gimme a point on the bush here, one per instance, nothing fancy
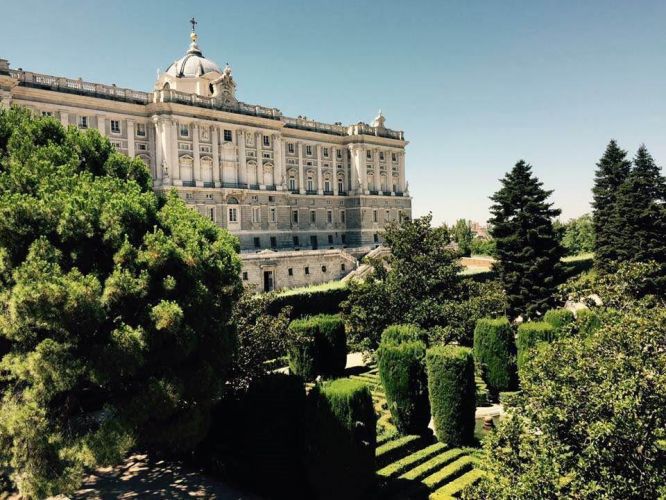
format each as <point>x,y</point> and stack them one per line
<point>452,393</point>
<point>529,335</point>
<point>494,351</point>
<point>308,302</point>
<point>403,375</point>
<point>341,439</point>
<point>587,321</point>
<point>318,347</point>
<point>559,318</point>
<point>396,334</point>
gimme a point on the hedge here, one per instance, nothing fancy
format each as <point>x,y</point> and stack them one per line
<point>452,393</point>
<point>494,351</point>
<point>341,440</point>
<point>587,321</point>
<point>318,346</point>
<point>309,302</point>
<point>529,335</point>
<point>402,372</point>
<point>559,318</point>
<point>403,333</point>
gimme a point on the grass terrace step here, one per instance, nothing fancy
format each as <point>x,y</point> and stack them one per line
<point>399,466</point>
<point>385,438</point>
<point>450,472</point>
<point>397,448</point>
<point>455,487</point>
<point>433,464</point>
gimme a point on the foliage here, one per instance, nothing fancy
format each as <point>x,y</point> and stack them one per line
<point>483,246</point>
<point>452,393</point>
<point>612,171</point>
<point>530,335</point>
<point>528,253</point>
<point>341,439</point>
<point>308,301</point>
<point>317,346</point>
<point>560,319</point>
<point>587,321</point>
<point>116,307</point>
<point>578,235</point>
<point>396,334</point>
<point>402,371</point>
<point>462,234</point>
<point>589,419</point>
<point>494,351</point>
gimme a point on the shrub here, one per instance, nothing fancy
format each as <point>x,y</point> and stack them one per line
<point>452,393</point>
<point>341,439</point>
<point>587,321</point>
<point>319,346</point>
<point>494,351</point>
<point>529,335</point>
<point>403,375</point>
<point>559,318</point>
<point>308,302</point>
<point>396,334</point>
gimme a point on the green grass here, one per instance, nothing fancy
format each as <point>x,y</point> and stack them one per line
<point>455,487</point>
<point>416,458</point>
<point>432,465</point>
<point>387,452</point>
<point>454,469</point>
<point>580,256</point>
<point>330,285</point>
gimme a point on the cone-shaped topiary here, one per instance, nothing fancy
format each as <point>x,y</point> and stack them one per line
<point>529,335</point>
<point>403,375</point>
<point>494,351</point>
<point>452,393</point>
<point>319,346</point>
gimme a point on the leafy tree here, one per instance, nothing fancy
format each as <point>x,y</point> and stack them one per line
<point>463,236</point>
<point>528,253</point>
<point>641,211</point>
<point>483,246</point>
<point>578,235</point>
<point>116,307</point>
<point>612,171</point>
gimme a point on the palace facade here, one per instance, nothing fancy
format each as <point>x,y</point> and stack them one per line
<point>279,184</point>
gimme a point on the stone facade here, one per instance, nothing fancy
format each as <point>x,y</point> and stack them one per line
<point>276,182</point>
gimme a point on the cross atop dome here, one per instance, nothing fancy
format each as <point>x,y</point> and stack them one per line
<point>194,24</point>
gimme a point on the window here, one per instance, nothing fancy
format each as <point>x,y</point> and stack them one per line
<point>256,214</point>
<point>244,275</point>
<point>266,155</point>
<point>290,147</point>
<point>184,131</point>
<point>211,214</point>
<point>343,238</point>
<point>267,140</point>
<point>307,270</point>
<point>387,217</point>
<point>47,113</point>
<point>296,242</point>
<point>142,147</point>
<point>273,242</point>
<point>368,155</point>
<point>308,150</point>
<point>292,184</point>
<point>375,237</point>
<point>394,157</point>
<point>310,183</point>
<point>341,186</point>
<point>374,216</point>
<point>342,267</point>
<point>271,199</point>
<point>327,186</point>
<point>233,215</point>
<point>313,216</point>
<point>189,196</point>
<point>329,216</point>
<point>83,122</point>
<point>294,216</point>
<point>290,271</point>
<point>330,239</point>
<point>255,197</point>
<point>342,216</point>
<point>313,242</point>
<point>326,152</point>
<point>141,130</point>
<point>257,242</point>
<point>227,135</point>
<point>339,154</point>
<point>209,196</point>
<point>323,269</point>
<point>115,126</point>
<point>273,215</point>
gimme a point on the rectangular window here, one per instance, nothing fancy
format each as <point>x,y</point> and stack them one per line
<point>330,239</point>
<point>47,113</point>
<point>257,242</point>
<point>267,140</point>
<point>256,214</point>
<point>142,147</point>
<point>296,242</point>
<point>273,242</point>
<point>394,157</point>
<point>313,216</point>
<point>294,216</point>
<point>376,237</point>
<point>115,126</point>
<point>233,215</point>
<point>273,215</point>
<point>244,275</point>
<point>308,150</point>
<point>387,217</point>
<point>381,155</point>
<point>83,122</point>
<point>342,267</point>
<point>343,238</point>
<point>313,242</point>
<point>339,154</point>
<point>290,147</point>
<point>292,184</point>
<point>374,216</point>
<point>227,135</point>
<point>329,216</point>
<point>211,214</point>
<point>368,155</point>
<point>342,216</point>
<point>141,130</point>
<point>326,152</point>
<point>184,131</point>
<point>290,271</point>
<point>307,270</point>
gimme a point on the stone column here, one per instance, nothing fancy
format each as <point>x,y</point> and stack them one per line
<point>259,141</point>
<point>64,118</point>
<point>157,146</point>
<point>278,164</point>
<point>301,177</point>
<point>378,176</point>
<point>320,176</point>
<point>335,172</point>
<point>101,125</point>
<point>196,155</point>
<point>172,146</point>
<point>401,172</point>
<point>130,138</point>
<point>283,161</point>
<point>242,165</point>
<point>215,141</point>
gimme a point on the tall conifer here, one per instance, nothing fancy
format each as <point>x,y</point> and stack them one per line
<point>612,171</point>
<point>528,253</point>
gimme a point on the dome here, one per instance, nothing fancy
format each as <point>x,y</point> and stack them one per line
<point>192,64</point>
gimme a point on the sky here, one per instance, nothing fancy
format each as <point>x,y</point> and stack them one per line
<point>475,85</point>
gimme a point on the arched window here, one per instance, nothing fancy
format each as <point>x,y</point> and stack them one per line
<point>207,169</point>
<point>185,163</point>
<point>232,211</point>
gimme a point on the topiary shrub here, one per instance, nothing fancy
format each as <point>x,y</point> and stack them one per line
<point>397,334</point>
<point>402,372</point>
<point>452,393</point>
<point>587,321</point>
<point>318,346</point>
<point>494,352</point>
<point>341,439</point>
<point>529,335</point>
<point>559,318</point>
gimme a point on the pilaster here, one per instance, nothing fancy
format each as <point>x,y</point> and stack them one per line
<point>130,139</point>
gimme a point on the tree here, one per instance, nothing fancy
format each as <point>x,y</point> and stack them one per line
<point>612,171</point>
<point>578,235</point>
<point>463,236</point>
<point>483,246</point>
<point>528,253</point>
<point>116,307</point>
<point>641,212</point>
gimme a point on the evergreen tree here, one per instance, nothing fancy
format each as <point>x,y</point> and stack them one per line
<point>612,170</point>
<point>642,213</point>
<point>528,253</point>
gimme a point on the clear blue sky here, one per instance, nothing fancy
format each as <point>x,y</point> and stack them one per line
<point>476,85</point>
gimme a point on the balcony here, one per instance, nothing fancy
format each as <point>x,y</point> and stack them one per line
<point>234,185</point>
<point>294,191</point>
<point>310,191</point>
<point>189,183</point>
<point>328,193</point>
<point>342,193</point>
<point>208,184</point>
<point>253,186</point>
<point>386,193</point>
<point>271,187</point>
<point>374,193</point>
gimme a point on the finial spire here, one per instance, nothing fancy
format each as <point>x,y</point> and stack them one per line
<point>194,24</point>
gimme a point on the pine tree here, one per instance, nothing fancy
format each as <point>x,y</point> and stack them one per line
<point>612,171</point>
<point>641,210</point>
<point>528,252</point>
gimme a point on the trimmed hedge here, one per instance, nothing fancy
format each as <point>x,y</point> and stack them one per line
<point>341,440</point>
<point>309,302</point>
<point>494,351</point>
<point>587,321</point>
<point>402,372</point>
<point>559,318</point>
<point>319,346</point>
<point>397,334</point>
<point>452,393</point>
<point>529,335</point>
